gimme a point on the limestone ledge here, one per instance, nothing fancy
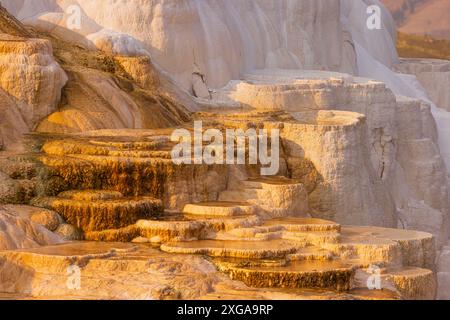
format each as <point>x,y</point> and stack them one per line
<point>32,79</point>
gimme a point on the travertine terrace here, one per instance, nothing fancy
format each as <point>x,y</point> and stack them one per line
<point>87,179</point>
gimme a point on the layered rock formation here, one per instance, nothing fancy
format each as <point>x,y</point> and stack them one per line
<point>399,130</point>
<point>31,83</point>
<point>353,150</point>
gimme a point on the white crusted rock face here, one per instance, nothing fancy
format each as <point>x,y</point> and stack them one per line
<point>347,188</point>
<point>419,187</point>
<point>426,174</point>
<point>417,215</point>
<point>222,38</point>
<point>30,84</point>
<point>421,174</point>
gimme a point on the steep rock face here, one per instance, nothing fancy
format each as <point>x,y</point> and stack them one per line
<point>193,35</point>
<point>30,84</point>
<point>434,75</point>
<point>443,274</point>
<point>419,179</point>
<point>31,76</point>
<point>403,155</point>
<point>342,193</point>
<point>216,32</point>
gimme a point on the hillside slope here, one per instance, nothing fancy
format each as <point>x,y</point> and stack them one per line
<point>422,17</point>
<point>413,46</point>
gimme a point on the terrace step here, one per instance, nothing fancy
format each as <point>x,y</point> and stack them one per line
<point>92,210</point>
<point>174,227</point>
<point>333,274</point>
<point>273,249</point>
<point>220,209</point>
<point>294,224</point>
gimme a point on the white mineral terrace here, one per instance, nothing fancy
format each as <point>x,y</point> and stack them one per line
<point>87,178</point>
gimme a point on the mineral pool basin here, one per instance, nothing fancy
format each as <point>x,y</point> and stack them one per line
<point>328,117</point>
<point>295,221</point>
<point>368,234</point>
<point>226,204</point>
<point>304,224</point>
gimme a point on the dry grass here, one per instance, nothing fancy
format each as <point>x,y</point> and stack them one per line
<point>412,46</point>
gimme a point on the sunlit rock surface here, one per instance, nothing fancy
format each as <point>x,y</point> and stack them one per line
<point>434,75</point>
<point>30,84</point>
<point>354,150</point>
<point>274,268</point>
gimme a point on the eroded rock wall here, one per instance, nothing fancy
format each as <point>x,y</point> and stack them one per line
<point>346,187</point>
<point>190,35</point>
<point>30,84</point>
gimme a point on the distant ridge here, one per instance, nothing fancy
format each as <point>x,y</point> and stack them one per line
<point>422,17</point>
